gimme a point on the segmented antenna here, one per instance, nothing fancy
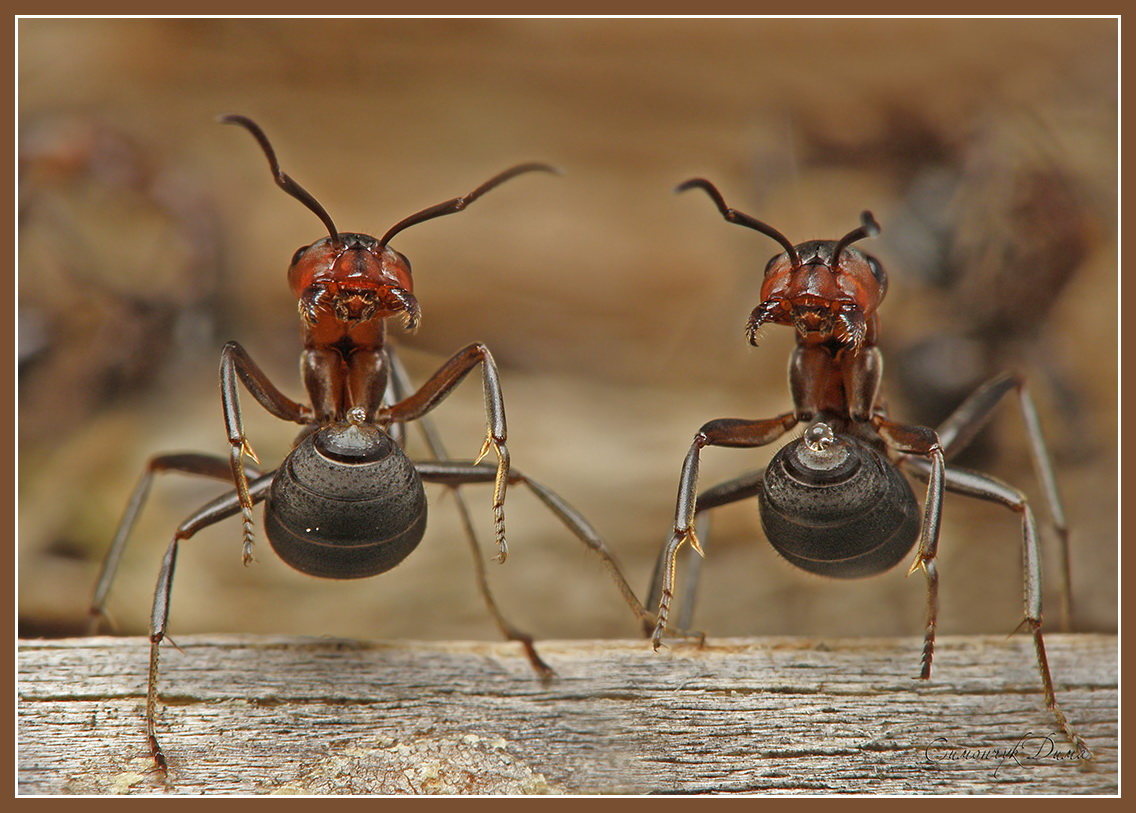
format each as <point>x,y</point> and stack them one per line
<point>453,205</point>
<point>283,180</point>
<point>868,228</point>
<point>740,218</point>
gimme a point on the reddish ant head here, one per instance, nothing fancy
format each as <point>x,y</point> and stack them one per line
<point>826,289</point>
<point>345,278</point>
<point>352,278</point>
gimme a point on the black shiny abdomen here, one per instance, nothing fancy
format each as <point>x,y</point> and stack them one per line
<point>852,516</point>
<point>346,504</point>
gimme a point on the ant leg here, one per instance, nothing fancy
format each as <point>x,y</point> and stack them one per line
<point>722,432</point>
<point>430,394</point>
<point>966,421</point>
<point>454,474</point>
<point>210,514</point>
<point>739,488</point>
<point>919,440</point>
<point>400,386</point>
<point>189,463</point>
<point>508,631</point>
<point>236,363</point>
<point>584,531</point>
<point>985,487</point>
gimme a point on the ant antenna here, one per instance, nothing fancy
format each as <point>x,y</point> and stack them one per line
<point>740,218</point>
<point>453,205</point>
<point>868,228</point>
<point>283,180</point>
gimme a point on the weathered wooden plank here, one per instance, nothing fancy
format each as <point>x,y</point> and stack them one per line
<point>322,716</point>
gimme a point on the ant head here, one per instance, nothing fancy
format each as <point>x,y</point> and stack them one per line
<point>344,277</point>
<point>355,277</point>
<point>827,290</point>
<point>352,278</point>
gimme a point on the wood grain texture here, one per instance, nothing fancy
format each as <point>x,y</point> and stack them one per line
<point>264,715</point>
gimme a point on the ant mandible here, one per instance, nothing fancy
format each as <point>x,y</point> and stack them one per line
<point>833,502</point>
<point>346,502</point>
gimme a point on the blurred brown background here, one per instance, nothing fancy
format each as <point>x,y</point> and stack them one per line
<point>151,235</point>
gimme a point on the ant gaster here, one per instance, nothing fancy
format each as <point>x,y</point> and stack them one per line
<point>833,501</point>
<point>347,502</point>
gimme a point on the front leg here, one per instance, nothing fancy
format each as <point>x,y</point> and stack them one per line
<point>440,385</point>
<point>237,364</point>
<point>985,487</point>
<point>924,442</point>
<point>733,490</point>
<point>400,386</point>
<point>723,432</point>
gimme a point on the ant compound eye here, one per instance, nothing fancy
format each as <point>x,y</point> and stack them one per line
<point>299,253</point>
<point>877,271</point>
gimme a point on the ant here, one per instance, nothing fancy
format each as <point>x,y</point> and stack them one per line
<point>346,502</point>
<point>834,501</point>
